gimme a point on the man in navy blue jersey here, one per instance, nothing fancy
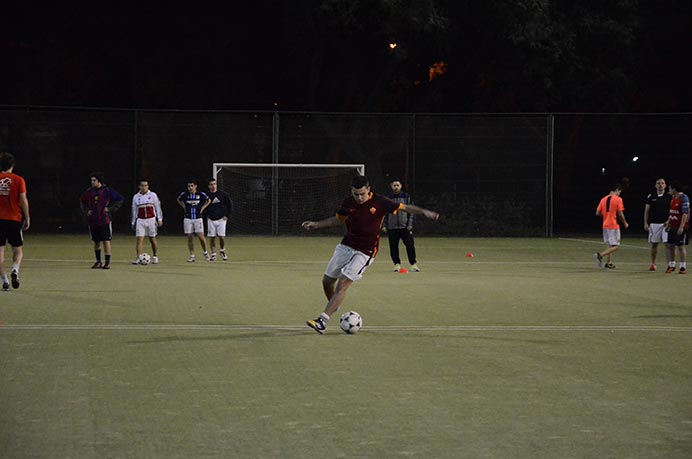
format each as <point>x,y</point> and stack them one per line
<point>194,202</point>
<point>98,203</point>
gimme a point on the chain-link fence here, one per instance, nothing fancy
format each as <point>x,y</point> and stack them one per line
<point>489,175</point>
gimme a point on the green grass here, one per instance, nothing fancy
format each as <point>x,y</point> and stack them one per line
<point>523,351</point>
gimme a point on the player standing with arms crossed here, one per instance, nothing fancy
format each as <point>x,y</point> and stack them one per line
<point>98,203</point>
<point>147,218</point>
<point>194,202</point>
<point>218,213</point>
<point>678,226</point>
<point>14,218</point>
<point>363,213</point>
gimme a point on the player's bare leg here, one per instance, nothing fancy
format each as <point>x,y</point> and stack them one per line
<point>338,296</point>
<point>154,246</point>
<point>138,245</point>
<point>329,285</point>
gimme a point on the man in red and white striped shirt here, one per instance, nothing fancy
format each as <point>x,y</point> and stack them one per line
<point>147,217</point>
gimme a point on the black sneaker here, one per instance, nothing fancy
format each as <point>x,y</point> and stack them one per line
<point>5,287</point>
<point>15,279</point>
<point>96,265</point>
<point>610,266</point>
<point>318,325</point>
<point>106,266</point>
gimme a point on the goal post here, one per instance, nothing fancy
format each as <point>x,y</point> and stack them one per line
<point>276,198</point>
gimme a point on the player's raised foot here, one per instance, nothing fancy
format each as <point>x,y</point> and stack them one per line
<point>106,265</point>
<point>610,266</point>
<point>598,259</point>
<point>97,265</point>
<point>415,267</point>
<point>191,259</point>
<point>317,324</point>
<point>652,267</point>
<point>670,269</point>
<point>155,260</point>
<point>397,267</point>
<point>224,257</point>
<point>15,279</point>
<point>682,271</point>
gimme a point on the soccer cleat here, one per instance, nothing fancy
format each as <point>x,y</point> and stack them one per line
<point>652,267</point>
<point>5,287</point>
<point>212,257</point>
<point>224,257</point>
<point>191,259</point>
<point>610,266</point>
<point>318,325</point>
<point>415,267</point>
<point>106,265</point>
<point>397,268</point>
<point>671,269</point>
<point>206,256</point>
<point>15,279</point>
<point>155,260</point>
<point>598,259</point>
<point>682,271</point>
<point>96,265</point>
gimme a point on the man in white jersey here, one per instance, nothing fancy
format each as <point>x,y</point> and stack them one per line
<point>147,217</point>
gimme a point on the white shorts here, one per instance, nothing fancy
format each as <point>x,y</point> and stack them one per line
<point>611,236</point>
<point>657,233</point>
<point>146,227</point>
<point>349,262</point>
<point>216,227</point>
<point>193,225</point>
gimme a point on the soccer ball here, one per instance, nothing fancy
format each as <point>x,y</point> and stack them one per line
<point>144,259</point>
<point>350,322</point>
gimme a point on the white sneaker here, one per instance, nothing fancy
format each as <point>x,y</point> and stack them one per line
<point>224,257</point>
<point>137,262</point>
<point>191,259</point>
<point>206,256</point>
<point>213,257</point>
<point>155,260</point>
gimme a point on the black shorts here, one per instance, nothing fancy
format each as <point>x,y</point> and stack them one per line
<point>11,231</point>
<point>101,232</point>
<point>678,239</point>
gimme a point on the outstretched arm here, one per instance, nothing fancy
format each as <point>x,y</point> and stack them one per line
<point>326,223</point>
<point>415,210</point>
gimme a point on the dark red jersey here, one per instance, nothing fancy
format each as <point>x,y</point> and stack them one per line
<point>364,221</point>
<point>678,206</point>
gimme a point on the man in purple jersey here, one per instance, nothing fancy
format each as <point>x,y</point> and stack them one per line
<point>98,202</point>
<point>363,213</point>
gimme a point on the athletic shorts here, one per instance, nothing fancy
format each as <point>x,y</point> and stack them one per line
<point>191,225</point>
<point>146,227</point>
<point>101,232</point>
<point>678,239</point>
<point>11,231</point>
<point>347,262</point>
<point>657,233</point>
<point>216,227</point>
<point>611,236</point>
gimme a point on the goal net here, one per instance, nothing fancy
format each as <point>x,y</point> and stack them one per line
<point>276,198</point>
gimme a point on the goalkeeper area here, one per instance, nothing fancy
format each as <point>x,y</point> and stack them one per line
<point>276,198</point>
<point>524,350</point>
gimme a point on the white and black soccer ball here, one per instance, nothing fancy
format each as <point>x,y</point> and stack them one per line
<point>350,322</point>
<point>144,259</point>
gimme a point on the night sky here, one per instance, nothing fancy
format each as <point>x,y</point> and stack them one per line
<point>333,55</point>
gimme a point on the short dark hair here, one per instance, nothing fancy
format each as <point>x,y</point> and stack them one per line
<point>396,179</point>
<point>677,185</point>
<point>615,186</point>
<point>97,175</point>
<point>211,180</point>
<point>359,181</point>
<point>193,181</point>
<point>6,161</point>
<point>144,180</point>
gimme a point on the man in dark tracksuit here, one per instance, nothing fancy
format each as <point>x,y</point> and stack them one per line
<point>399,226</point>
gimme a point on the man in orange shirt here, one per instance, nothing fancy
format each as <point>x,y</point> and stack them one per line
<point>610,208</point>
<point>14,218</point>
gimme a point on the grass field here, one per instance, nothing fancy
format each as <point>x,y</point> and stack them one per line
<point>525,350</point>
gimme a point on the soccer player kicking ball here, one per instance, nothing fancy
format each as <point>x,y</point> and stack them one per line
<point>363,213</point>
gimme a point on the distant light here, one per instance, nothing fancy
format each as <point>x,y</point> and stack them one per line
<point>635,159</point>
<point>603,171</point>
<point>392,45</point>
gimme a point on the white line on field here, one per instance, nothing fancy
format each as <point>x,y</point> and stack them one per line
<point>601,243</point>
<point>456,328</point>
